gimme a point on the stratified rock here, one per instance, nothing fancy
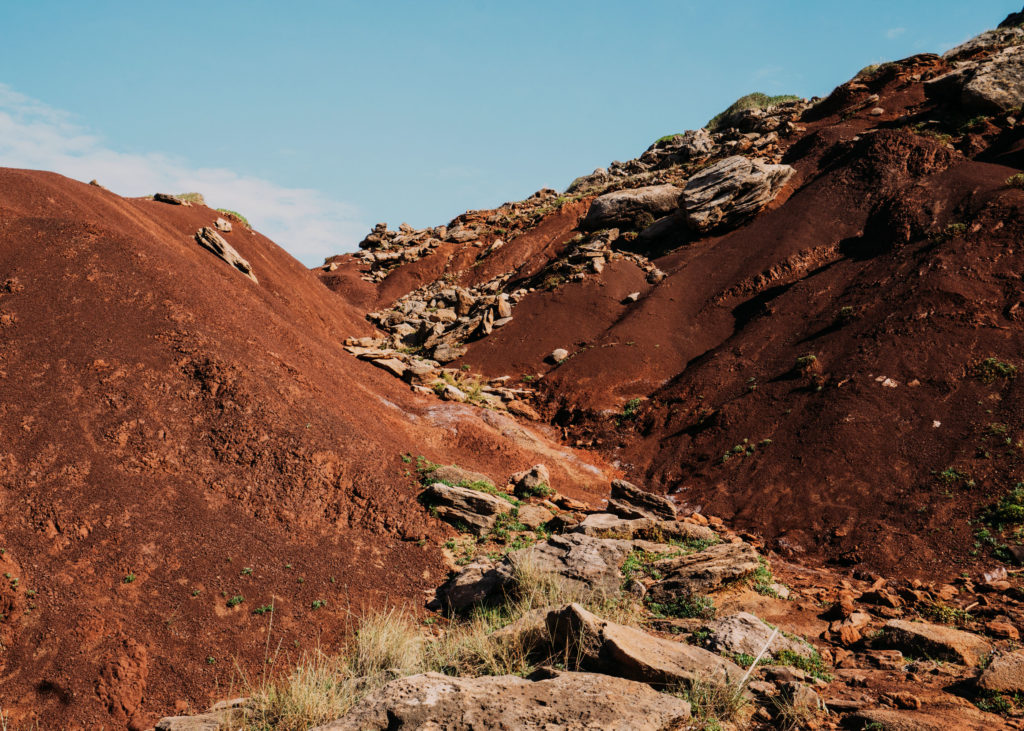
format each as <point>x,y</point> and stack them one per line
<point>646,503</point>
<point>704,571</point>
<point>533,516</point>
<point>607,525</point>
<point>745,634</point>
<point>168,198</point>
<point>935,641</point>
<point>462,507</point>
<point>607,647</point>
<point>565,702</point>
<point>731,191</point>
<point>473,585</point>
<point>223,224</point>
<point>997,85</point>
<point>392,365</point>
<point>622,207</point>
<point>1005,674</point>
<point>210,239</point>
<point>446,352</point>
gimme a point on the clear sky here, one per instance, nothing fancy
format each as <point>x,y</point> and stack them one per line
<point>317,119</point>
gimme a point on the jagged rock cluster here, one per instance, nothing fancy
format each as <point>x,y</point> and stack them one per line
<point>751,131</point>
<point>988,73</point>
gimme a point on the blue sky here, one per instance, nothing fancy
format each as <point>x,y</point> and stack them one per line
<point>317,119</point>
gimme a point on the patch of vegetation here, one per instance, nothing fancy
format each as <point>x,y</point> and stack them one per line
<point>992,369</point>
<point>318,604</point>
<point>1009,511</point>
<point>813,665</point>
<point>264,609</point>
<point>845,315</point>
<point>945,614</point>
<point>762,579</point>
<point>666,138</point>
<point>712,703</point>
<point>631,409</point>
<point>236,600</point>
<point>694,606</point>
<point>973,123</point>
<point>757,100</point>
<point>952,476</point>
<point>236,215</point>
<point>191,198</point>
<point>806,361</point>
<point>744,449</point>
<point>1016,181</point>
<point>129,578</point>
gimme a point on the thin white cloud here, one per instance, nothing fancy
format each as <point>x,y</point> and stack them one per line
<point>893,33</point>
<point>304,221</point>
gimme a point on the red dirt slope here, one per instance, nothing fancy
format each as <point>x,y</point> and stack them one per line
<point>175,435</point>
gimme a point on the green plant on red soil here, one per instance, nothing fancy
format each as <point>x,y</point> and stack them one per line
<point>757,100</point>
<point>1016,181</point>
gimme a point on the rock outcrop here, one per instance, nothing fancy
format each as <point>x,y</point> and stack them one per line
<point>208,238</point>
<point>563,702</point>
<point>729,192</point>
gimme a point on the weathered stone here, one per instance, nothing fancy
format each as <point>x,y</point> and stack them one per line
<point>208,238</point>
<point>1005,674</point>
<point>565,702</point>
<point>704,571</point>
<point>533,516</point>
<point>472,585</point>
<point>936,641</point>
<point>747,634</point>
<point>731,191</point>
<point>392,365</point>
<point>558,355</point>
<point>607,525</point>
<point>534,481</point>
<point>447,352</point>
<point>523,409</point>
<point>656,506</point>
<point>504,308</point>
<point>627,652</point>
<point>890,720</point>
<point>168,198</point>
<point>623,206</point>
<point>997,85</point>
<point>453,393</point>
<point>462,507</point>
<point>224,225</point>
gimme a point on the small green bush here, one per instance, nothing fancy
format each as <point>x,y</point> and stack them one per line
<point>1016,181</point>
<point>694,606</point>
<point>236,215</point>
<point>992,368</point>
<point>757,100</point>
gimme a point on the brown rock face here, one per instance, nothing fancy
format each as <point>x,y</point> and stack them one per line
<point>566,702</point>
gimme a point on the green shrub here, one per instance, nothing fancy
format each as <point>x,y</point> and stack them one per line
<point>992,368</point>
<point>757,100</point>
<point>236,215</point>
<point>1016,180</point>
<point>694,606</point>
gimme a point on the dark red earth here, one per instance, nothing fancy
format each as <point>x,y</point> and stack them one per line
<point>175,435</point>
<point>892,254</point>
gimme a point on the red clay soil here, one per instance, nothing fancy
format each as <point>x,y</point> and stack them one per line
<point>892,256</point>
<point>174,436</point>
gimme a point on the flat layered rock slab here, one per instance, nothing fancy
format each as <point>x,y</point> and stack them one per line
<point>566,702</point>
<point>477,512</point>
<point>704,571</point>
<point>936,641</point>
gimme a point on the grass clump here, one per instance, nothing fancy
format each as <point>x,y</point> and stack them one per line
<point>713,703</point>
<point>1009,511</point>
<point>1016,181</point>
<point>992,369</point>
<point>757,100</point>
<point>694,606</point>
<point>813,665</point>
<point>235,215</point>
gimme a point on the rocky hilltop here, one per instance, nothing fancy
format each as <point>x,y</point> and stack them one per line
<point>728,435</point>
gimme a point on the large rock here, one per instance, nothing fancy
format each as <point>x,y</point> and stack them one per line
<point>475,511</point>
<point>208,238</point>
<point>731,191</point>
<point>591,643</point>
<point>567,701</point>
<point>645,503</point>
<point>534,481</point>
<point>935,641</point>
<point>622,207</point>
<point>1005,674</point>
<point>607,525</point>
<point>745,634</point>
<point>704,571</point>
<point>992,84</point>
<point>583,563</point>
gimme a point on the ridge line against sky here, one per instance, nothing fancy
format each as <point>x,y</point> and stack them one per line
<point>319,119</point>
